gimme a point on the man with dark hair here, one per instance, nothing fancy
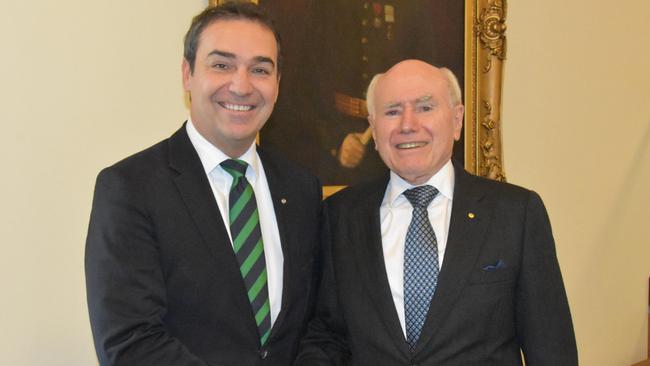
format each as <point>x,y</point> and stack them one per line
<point>430,265</point>
<point>200,249</point>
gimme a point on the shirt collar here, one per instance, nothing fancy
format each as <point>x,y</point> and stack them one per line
<point>443,181</point>
<point>211,157</point>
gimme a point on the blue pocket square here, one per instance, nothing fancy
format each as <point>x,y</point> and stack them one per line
<point>493,267</point>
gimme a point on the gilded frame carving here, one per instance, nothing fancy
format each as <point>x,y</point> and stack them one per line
<point>485,52</point>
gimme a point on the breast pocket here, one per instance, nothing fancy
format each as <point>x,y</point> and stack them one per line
<point>492,271</point>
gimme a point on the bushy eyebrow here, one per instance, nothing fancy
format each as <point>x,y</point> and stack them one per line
<point>393,105</point>
<point>425,98</point>
<point>230,55</point>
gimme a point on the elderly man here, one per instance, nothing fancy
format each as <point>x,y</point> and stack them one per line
<point>200,248</point>
<point>431,265</point>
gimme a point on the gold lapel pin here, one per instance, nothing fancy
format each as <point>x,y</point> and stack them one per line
<point>471,215</point>
<point>283,201</point>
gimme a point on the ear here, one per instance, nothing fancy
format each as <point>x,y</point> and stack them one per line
<point>187,74</point>
<point>371,121</point>
<point>457,117</point>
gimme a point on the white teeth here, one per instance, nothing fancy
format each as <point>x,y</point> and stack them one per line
<point>237,107</point>
<point>410,145</point>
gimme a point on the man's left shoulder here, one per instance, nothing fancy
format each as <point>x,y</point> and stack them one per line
<point>501,192</point>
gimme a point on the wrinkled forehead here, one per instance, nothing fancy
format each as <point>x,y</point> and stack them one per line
<point>394,87</point>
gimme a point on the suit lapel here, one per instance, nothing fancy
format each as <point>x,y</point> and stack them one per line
<point>369,256</point>
<point>466,237</point>
<point>194,189</point>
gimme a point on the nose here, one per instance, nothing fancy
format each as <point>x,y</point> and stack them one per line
<point>240,84</point>
<point>408,122</point>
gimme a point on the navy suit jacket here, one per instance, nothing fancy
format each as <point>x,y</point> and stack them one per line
<point>163,283</point>
<point>499,292</point>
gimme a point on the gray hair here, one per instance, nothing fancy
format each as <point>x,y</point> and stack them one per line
<point>455,96</point>
<point>370,94</point>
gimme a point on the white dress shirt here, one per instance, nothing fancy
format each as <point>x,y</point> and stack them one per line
<point>395,215</point>
<point>221,181</point>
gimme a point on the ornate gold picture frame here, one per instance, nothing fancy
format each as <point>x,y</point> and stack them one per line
<point>485,51</point>
<point>484,55</point>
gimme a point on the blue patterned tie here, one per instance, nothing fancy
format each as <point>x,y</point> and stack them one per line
<point>248,244</point>
<point>420,263</point>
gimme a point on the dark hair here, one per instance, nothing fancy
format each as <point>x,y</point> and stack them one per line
<point>231,10</point>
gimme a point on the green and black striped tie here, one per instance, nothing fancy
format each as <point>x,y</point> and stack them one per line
<point>248,244</point>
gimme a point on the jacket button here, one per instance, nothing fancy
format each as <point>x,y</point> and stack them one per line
<point>264,353</point>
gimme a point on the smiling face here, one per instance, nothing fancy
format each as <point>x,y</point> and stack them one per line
<point>235,83</point>
<point>413,122</point>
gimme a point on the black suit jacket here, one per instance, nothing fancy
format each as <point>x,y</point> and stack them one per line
<point>500,288</point>
<point>163,283</point>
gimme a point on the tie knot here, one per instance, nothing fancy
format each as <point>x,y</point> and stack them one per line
<point>235,167</point>
<point>421,196</point>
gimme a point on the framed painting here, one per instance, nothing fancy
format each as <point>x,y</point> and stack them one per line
<point>332,48</point>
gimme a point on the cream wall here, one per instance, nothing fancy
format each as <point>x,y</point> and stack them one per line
<point>577,130</point>
<point>84,83</point>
